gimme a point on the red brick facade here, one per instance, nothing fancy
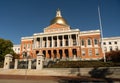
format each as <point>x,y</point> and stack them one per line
<point>61,42</point>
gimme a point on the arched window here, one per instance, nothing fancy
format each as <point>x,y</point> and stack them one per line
<point>95,41</point>
<point>89,41</point>
<point>82,42</point>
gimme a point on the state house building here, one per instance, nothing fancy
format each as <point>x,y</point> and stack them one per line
<point>59,41</point>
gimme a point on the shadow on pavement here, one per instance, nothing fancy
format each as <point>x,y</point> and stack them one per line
<point>101,73</point>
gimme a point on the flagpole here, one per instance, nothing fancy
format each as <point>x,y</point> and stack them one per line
<point>101,30</point>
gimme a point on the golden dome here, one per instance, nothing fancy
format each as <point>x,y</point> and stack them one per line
<point>58,19</point>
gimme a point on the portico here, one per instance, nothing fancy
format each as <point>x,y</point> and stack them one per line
<point>60,46</point>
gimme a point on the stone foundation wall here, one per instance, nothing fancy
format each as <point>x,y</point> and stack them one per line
<point>102,72</point>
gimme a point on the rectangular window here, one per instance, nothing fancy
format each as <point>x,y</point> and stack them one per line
<point>66,42</point>
<point>83,52</point>
<point>55,43</point>
<point>60,42</point>
<point>110,48</point>
<point>45,44</point>
<point>116,48</point>
<point>109,43</point>
<point>105,49</point>
<point>50,44</point>
<point>104,43</point>
<point>18,49</point>
<point>24,46</point>
<point>28,45</point>
<point>90,52</point>
<point>74,42</point>
<point>115,42</point>
<point>96,51</point>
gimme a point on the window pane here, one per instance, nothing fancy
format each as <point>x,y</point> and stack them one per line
<point>116,48</point>
<point>105,49</point>
<point>89,42</point>
<point>90,52</point>
<point>95,41</point>
<point>82,42</point>
<point>96,52</point>
<point>109,43</point>
<point>104,43</point>
<point>83,52</point>
<point>110,48</point>
<point>115,42</point>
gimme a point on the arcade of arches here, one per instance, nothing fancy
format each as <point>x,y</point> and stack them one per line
<point>60,53</point>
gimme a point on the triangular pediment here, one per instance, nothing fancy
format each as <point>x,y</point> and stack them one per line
<point>57,28</point>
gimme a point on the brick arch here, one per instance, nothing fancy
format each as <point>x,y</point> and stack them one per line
<point>49,53</point>
<point>67,53</point>
<point>74,52</point>
<point>60,52</point>
<point>55,53</point>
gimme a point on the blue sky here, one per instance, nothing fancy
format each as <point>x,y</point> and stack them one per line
<point>20,18</point>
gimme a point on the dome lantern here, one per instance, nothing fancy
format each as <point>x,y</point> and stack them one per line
<point>58,19</point>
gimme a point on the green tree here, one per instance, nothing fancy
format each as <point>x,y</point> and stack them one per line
<point>5,48</point>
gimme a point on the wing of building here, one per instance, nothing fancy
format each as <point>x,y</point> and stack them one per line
<point>16,49</point>
<point>59,41</point>
<point>111,44</point>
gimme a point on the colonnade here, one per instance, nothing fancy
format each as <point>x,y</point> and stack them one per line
<point>56,41</point>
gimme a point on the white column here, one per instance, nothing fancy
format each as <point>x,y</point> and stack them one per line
<point>52,41</point>
<point>76,40</point>
<point>69,36</point>
<point>29,64</point>
<point>37,43</point>
<point>57,41</point>
<point>71,41</point>
<point>16,63</point>
<point>63,40</point>
<point>46,41</point>
<point>41,42</point>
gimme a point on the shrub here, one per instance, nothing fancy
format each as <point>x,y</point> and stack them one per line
<point>1,64</point>
<point>113,56</point>
<point>83,64</point>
